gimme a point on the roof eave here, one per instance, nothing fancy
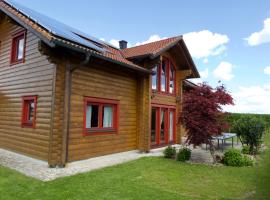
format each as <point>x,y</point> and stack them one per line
<point>98,55</point>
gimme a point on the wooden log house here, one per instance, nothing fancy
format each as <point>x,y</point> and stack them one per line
<point>67,96</point>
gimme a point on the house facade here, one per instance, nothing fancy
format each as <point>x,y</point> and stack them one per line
<point>67,96</point>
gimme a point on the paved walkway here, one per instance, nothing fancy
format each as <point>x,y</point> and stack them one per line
<point>40,170</point>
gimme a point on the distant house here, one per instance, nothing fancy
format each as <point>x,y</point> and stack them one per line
<point>67,96</point>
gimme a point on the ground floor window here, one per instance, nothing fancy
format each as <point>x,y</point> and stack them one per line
<point>163,125</point>
<point>29,106</point>
<point>100,115</point>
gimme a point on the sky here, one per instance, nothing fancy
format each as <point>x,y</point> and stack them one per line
<point>228,40</point>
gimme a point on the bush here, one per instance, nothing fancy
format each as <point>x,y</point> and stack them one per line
<point>183,154</point>
<point>247,161</point>
<point>169,152</point>
<point>250,131</point>
<point>233,157</point>
<point>246,150</point>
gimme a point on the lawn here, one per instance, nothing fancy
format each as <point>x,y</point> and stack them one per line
<point>147,178</point>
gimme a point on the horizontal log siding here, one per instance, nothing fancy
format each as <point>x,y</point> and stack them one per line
<point>34,77</point>
<point>102,82</point>
<point>159,98</point>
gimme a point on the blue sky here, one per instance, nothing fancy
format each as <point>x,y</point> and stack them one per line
<point>214,31</point>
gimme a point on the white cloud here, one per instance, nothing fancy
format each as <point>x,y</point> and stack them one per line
<point>205,61</point>
<point>224,71</point>
<point>152,38</point>
<point>205,43</point>
<point>102,39</point>
<point>114,42</point>
<point>252,99</point>
<point>204,74</point>
<point>261,36</point>
<point>267,70</point>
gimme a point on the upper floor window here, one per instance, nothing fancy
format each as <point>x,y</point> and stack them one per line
<point>155,78</point>
<point>18,48</point>
<point>163,77</point>
<point>172,78</point>
<point>29,111</point>
<point>100,115</point>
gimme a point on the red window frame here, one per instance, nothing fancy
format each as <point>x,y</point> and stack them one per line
<point>101,103</point>
<point>167,109</point>
<point>25,111</point>
<point>15,47</point>
<point>168,67</point>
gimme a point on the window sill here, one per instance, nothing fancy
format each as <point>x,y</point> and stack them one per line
<point>16,62</point>
<point>163,93</point>
<point>27,125</point>
<point>92,132</point>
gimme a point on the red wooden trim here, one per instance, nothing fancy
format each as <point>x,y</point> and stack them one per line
<point>166,125</point>
<point>14,47</point>
<point>101,103</point>
<point>168,66</point>
<point>158,126</point>
<point>167,109</point>
<point>25,108</point>
<point>163,106</point>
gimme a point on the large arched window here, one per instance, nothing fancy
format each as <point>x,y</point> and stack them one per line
<point>163,77</point>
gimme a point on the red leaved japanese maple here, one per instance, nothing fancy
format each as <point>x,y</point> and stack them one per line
<point>202,113</point>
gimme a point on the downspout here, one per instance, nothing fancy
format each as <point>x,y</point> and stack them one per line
<point>67,96</point>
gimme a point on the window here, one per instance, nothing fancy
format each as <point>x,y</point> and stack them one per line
<point>172,78</point>
<point>171,125</point>
<point>163,125</point>
<point>155,78</point>
<point>101,116</point>
<point>29,111</point>
<point>153,125</point>
<point>18,48</point>
<point>163,77</point>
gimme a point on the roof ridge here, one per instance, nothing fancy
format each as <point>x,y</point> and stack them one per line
<point>179,36</point>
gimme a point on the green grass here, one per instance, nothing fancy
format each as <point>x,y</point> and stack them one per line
<point>147,178</point>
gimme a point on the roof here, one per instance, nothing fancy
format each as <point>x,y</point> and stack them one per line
<point>150,49</point>
<point>189,84</point>
<point>154,49</point>
<point>55,33</point>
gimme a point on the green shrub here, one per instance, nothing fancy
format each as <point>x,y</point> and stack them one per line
<point>169,152</point>
<point>233,157</point>
<point>250,131</point>
<point>246,150</point>
<point>183,154</point>
<point>247,160</point>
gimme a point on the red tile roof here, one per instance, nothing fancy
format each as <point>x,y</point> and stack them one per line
<point>111,54</point>
<point>150,48</point>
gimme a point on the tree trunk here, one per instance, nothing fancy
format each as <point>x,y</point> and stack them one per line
<point>212,151</point>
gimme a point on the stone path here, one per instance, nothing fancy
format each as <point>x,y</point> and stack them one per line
<point>40,170</point>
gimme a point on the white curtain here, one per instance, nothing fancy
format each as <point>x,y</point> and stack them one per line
<point>171,126</point>
<point>107,116</point>
<point>88,116</point>
<point>20,49</point>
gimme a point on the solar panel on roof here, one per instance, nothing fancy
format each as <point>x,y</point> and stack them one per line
<point>60,29</point>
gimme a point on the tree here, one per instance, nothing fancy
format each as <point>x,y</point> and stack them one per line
<point>250,131</point>
<point>202,114</point>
